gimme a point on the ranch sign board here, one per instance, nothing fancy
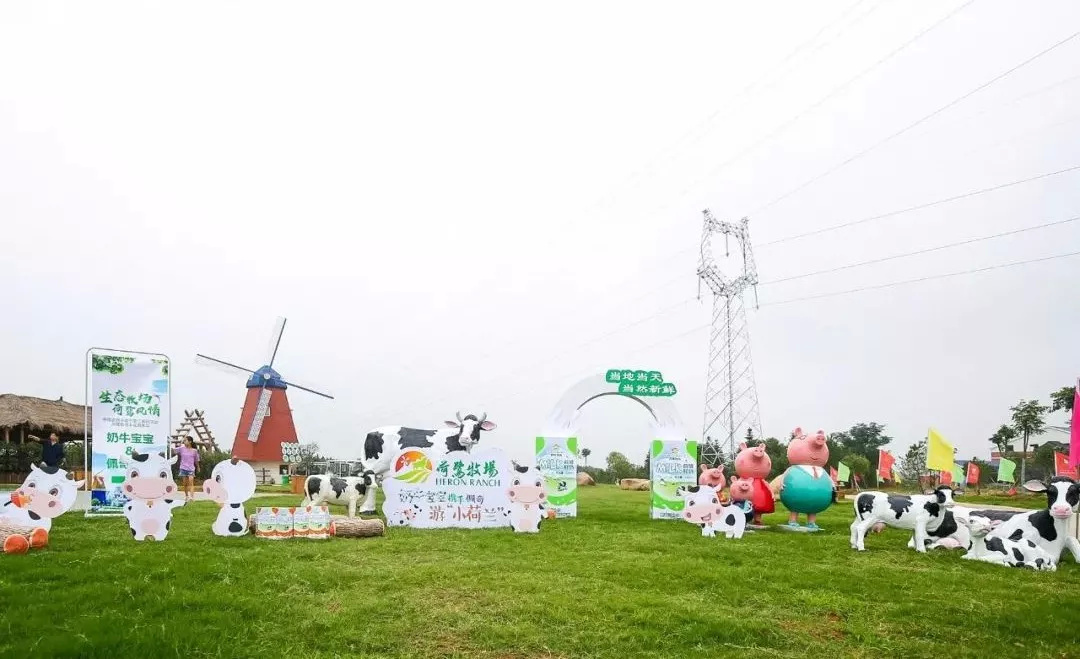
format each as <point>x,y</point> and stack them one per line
<point>426,490</point>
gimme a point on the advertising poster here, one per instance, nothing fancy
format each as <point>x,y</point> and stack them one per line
<point>556,460</point>
<point>672,465</point>
<point>427,490</point>
<point>129,399</point>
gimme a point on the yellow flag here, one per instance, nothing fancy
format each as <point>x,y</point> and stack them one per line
<point>939,453</point>
<point>896,476</point>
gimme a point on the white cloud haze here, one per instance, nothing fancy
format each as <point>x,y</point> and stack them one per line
<point>448,199</point>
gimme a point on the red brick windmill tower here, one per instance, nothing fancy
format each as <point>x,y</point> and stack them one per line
<point>266,421</point>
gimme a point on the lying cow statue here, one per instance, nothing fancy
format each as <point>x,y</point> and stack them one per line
<point>326,489</point>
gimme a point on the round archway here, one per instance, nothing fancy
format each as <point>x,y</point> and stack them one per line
<point>673,460</point>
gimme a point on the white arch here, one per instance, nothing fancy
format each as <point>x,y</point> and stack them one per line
<point>562,422</point>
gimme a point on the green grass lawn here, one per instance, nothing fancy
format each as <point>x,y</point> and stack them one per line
<point>611,583</point>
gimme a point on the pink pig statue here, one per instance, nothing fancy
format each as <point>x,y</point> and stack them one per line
<point>742,495</point>
<point>805,487</point>
<point>713,477</point>
<point>754,465</point>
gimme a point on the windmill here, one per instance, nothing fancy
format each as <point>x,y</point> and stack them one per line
<point>266,420</point>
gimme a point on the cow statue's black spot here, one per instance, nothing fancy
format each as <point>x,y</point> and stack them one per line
<point>899,504</point>
<point>1018,555</point>
<point>996,545</point>
<point>132,532</point>
<point>1017,535</point>
<point>932,507</point>
<point>373,445</point>
<point>34,516</point>
<point>999,515</point>
<point>729,520</point>
<point>235,527</point>
<point>314,484</point>
<point>1039,562</point>
<point>338,485</point>
<point>946,528</point>
<point>864,504</point>
<point>235,505</point>
<point>1044,524</point>
<point>360,488</point>
<point>168,524</point>
<point>415,438</point>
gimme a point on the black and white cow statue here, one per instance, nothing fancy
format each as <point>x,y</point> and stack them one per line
<point>952,533</point>
<point>921,513</point>
<point>1003,551</point>
<point>1046,528</point>
<point>382,444</point>
<point>326,489</point>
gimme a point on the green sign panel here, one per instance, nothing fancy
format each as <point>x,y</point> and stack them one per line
<point>640,383</point>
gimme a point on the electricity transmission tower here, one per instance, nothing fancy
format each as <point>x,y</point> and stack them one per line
<point>731,405</point>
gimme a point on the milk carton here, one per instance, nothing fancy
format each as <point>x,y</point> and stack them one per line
<point>318,523</point>
<point>266,523</point>
<point>300,521</point>
<point>283,524</point>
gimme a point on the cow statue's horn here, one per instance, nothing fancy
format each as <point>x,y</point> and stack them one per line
<point>459,420</point>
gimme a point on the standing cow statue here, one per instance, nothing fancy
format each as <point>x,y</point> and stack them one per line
<point>323,489</point>
<point>754,464</point>
<point>805,487</point>
<point>382,444</point>
<point>231,484</point>
<point>47,493</point>
<point>527,498</point>
<point>149,486</point>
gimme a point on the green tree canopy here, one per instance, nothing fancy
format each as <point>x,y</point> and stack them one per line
<point>619,466</point>
<point>1063,399</point>
<point>863,439</point>
<point>585,453</point>
<point>858,464</point>
<point>1003,437</point>
<point>1028,418</point>
<point>913,463</point>
<point>777,453</point>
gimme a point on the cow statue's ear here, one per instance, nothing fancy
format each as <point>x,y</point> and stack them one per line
<point>1035,486</point>
<point>452,424</point>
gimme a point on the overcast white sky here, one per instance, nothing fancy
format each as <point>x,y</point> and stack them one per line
<point>450,200</point>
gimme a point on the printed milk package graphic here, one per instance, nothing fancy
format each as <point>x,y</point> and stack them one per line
<point>672,464</point>
<point>556,460</point>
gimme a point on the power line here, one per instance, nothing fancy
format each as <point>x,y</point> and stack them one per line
<point>922,251</point>
<point>703,127</point>
<point>916,207</point>
<point>912,125</point>
<point>836,90</point>
<point>921,279</point>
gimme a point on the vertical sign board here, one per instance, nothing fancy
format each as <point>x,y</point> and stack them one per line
<point>556,460</point>
<point>672,464</point>
<point>129,399</point>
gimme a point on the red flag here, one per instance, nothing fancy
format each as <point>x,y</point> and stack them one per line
<point>1074,436</point>
<point>1061,466</point>
<point>972,473</point>
<point>885,463</point>
<point>946,477</point>
<point>833,475</point>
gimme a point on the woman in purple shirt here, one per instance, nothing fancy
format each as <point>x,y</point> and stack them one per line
<point>189,462</point>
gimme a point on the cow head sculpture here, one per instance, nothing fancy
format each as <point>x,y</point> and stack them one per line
<point>469,429</point>
<point>232,481</point>
<point>1062,495</point>
<point>149,476</point>
<point>527,486</point>
<point>47,492</point>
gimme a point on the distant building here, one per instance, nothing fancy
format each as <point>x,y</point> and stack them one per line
<point>23,416</point>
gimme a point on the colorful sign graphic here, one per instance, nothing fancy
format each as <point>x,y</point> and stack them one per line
<point>129,398</point>
<point>640,383</point>
<point>672,466</point>
<point>556,460</point>
<point>451,490</point>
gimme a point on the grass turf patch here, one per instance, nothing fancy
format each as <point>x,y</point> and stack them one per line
<point>611,583</point>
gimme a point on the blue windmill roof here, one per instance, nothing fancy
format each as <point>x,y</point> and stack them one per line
<point>268,377</point>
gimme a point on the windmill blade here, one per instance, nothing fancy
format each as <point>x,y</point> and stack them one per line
<point>219,364</point>
<point>317,393</point>
<point>275,340</point>
<point>261,408</point>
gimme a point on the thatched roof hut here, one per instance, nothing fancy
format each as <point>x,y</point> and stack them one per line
<point>26,415</point>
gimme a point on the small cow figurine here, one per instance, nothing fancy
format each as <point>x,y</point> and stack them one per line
<point>920,513</point>
<point>527,498</point>
<point>1003,551</point>
<point>1048,527</point>
<point>702,507</point>
<point>231,484</point>
<point>47,493</point>
<point>347,491</point>
<point>150,487</point>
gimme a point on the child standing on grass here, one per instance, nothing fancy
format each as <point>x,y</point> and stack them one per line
<point>189,462</point>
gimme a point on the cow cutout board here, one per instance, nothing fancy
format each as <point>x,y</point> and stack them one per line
<point>460,489</point>
<point>230,485</point>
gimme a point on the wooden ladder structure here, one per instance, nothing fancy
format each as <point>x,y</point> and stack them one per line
<point>194,422</point>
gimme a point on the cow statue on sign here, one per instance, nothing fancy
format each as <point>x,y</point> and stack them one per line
<point>382,444</point>
<point>150,487</point>
<point>47,493</point>
<point>527,498</point>
<point>231,484</point>
<point>326,489</point>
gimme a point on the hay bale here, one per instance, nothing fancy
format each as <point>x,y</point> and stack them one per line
<point>584,478</point>
<point>355,527</point>
<point>635,484</point>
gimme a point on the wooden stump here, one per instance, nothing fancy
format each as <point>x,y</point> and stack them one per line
<point>354,527</point>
